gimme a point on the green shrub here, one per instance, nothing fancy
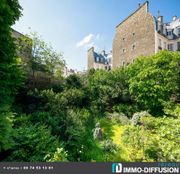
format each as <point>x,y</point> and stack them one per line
<point>58,156</point>
<point>32,143</point>
<point>157,139</point>
<point>127,109</point>
<point>119,118</point>
<point>154,80</point>
<point>6,123</point>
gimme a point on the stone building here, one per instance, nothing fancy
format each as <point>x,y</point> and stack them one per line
<point>99,60</point>
<point>24,47</point>
<point>143,34</point>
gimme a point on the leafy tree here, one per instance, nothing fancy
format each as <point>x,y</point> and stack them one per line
<point>10,72</point>
<point>73,81</point>
<point>44,58</point>
<point>108,88</point>
<point>154,80</point>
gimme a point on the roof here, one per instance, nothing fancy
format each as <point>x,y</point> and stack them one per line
<point>104,59</point>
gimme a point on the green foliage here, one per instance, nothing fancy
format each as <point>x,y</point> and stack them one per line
<point>73,81</point>
<point>154,80</point>
<point>5,130</point>
<point>11,76</point>
<point>156,140</point>
<point>10,73</point>
<point>59,155</point>
<point>64,119</point>
<point>127,109</point>
<point>69,110</point>
<point>172,109</point>
<point>108,88</point>
<point>32,143</point>
<point>136,118</point>
<point>119,118</point>
<point>44,58</point>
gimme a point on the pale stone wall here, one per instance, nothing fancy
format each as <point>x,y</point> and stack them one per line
<point>25,50</point>
<point>135,36</point>
<point>99,65</point>
<point>162,43</point>
<point>92,63</point>
<point>90,56</point>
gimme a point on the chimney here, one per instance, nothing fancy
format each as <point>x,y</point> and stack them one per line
<point>139,5</point>
<point>160,19</point>
<point>103,52</point>
<point>174,18</point>
<point>91,49</point>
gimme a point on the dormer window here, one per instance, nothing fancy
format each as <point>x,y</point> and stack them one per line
<point>97,59</point>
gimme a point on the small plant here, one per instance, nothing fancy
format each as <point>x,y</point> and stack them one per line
<point>136,119</point>
<point>57,156</point>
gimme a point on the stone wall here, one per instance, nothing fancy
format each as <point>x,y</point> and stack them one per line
<point>25,47</point>
<point>134,36</point>
<point>90,57</point>
<point>35,78</point>
<point>99,66</point>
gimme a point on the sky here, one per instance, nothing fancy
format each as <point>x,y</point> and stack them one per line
<point>73,26</point>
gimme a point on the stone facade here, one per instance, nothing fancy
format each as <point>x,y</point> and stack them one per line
<point>134,36</point>
<point>99,60</point>
<point>25,47</point>
<point>167,35</point>
<point>90,56</point>
<point>142,34</point>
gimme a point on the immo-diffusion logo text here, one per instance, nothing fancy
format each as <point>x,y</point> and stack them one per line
<point>116,168</point>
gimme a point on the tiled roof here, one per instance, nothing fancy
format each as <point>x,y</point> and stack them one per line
<point>101,58</point>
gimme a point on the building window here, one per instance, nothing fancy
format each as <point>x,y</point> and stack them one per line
<point>169,33</point>
<point>134,46</point>
<point>133,34</point>
<point>178,46</point>
<point>124,50</point>
<point>160,42</point>
<point>123,38</point>
<point>123,63</point>
<point>165,46</point>
<point>170,47</point>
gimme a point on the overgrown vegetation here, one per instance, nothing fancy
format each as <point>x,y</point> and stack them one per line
<point>137,108</point>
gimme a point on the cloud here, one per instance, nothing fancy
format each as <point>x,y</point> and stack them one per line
<point>85,41</point>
